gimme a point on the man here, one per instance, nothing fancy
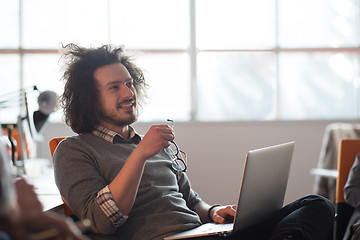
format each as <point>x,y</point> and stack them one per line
<point>126,184</point>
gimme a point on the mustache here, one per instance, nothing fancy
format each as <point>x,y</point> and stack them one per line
<point>127,101</point>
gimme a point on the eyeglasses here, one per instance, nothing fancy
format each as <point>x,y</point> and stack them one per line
<point>178,157</point>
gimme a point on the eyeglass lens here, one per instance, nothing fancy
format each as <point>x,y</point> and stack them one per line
<point>178,157</point>
<point>172,150</point>
<point>179,165</point>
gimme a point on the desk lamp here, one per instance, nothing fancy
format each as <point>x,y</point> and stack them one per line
<point>47,102</point>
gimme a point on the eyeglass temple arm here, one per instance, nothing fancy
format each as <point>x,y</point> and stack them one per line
<point>172,123</point>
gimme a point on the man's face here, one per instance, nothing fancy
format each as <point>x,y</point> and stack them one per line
<point>117,96</point>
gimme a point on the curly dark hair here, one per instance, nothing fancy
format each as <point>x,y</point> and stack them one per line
<point>80,97</point>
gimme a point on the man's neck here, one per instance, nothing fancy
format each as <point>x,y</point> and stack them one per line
<point>124,132</point>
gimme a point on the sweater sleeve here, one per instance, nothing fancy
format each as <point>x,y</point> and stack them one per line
<point>191,197</point>
<point>352,186</point>
<point>82,187</point>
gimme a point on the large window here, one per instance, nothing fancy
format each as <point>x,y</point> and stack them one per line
<point>205,60</point>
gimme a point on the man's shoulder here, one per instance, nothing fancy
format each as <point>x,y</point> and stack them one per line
<point>76,138</point>
<point>79,146</point>
<point>82,140</point>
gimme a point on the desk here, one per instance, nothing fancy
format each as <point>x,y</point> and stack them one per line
<point>46,188</point>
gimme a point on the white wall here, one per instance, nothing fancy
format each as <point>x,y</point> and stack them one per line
<point>216,152</point>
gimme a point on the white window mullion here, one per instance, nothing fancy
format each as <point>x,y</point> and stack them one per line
<point>193,60</point>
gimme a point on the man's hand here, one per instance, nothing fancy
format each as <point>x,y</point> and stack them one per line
<point>56,226</point>
<point>223,214</point>
<point>32,218</point>
<point>157,138</point>
<point>29,205</point>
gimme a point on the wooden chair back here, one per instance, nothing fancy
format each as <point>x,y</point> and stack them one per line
<point>348,150</point>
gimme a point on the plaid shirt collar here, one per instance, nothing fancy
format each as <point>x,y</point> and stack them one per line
<point>113,137</point>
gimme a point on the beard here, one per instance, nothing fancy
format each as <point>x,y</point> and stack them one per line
<point>121,121</point>
<point>114,118</point>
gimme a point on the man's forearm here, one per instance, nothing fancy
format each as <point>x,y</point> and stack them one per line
<point>202,210</point>
<point>125,185</point>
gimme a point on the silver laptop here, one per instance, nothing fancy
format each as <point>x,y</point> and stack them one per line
<point>262,191</point>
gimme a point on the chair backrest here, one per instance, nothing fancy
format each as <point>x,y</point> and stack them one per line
<point>53,143</point>
<point>348,149</point>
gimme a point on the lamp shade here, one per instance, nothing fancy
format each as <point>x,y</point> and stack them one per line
<point>39,119</point>
<point>47,101</point>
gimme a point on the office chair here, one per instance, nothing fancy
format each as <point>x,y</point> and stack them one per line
<point>53,143</point>
<point>348,149</point>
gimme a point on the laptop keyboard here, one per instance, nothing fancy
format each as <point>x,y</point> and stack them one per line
<point>218,228</point>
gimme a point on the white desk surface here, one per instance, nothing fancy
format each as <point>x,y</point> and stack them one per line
<point>46,188</point>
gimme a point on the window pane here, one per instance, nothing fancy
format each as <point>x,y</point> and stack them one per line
<point>49,23</point>
<point>319,85</point>
<point>236,86</point>
<point>9,97</point>
<point>169,87</point>
<point>235,24</point>
<point>319,23</point>
<point>159,24</point>
<point>42,70</point>
<point>9,24</point>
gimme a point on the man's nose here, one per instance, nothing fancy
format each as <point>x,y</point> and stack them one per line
<point>126,92</point>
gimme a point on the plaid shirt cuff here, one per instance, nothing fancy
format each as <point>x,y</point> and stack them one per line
<point>108,206</point>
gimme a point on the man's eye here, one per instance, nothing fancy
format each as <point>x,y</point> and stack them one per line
<point>114,87</point>
<point>130,84</point>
